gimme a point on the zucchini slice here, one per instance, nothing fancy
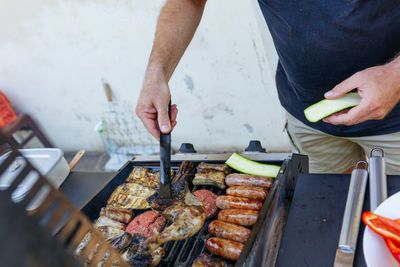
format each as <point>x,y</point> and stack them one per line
<point>327,107</point>
<point>245,165</point>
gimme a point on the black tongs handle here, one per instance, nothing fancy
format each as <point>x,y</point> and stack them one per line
<point>165,162</point>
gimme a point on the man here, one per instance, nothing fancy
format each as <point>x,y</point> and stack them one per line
<point>326,49</point>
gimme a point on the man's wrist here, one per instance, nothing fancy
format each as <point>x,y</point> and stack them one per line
<point>394,69</point>
<point>155,72</point>
<point>395,63</point>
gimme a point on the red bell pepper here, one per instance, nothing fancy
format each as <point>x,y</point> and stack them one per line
<point>382,226</point>
<point>394,248</point>
<point>387,228</point>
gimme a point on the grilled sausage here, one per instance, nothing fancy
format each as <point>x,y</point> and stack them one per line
<point>252,192</point>
<point>229,231</point>
<point>242,217</point>
<point>237,179</point>
<point>225,248</point>
<point>230,202</point>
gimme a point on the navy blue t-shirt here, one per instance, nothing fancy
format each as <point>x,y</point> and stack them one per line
<point>320,43</point>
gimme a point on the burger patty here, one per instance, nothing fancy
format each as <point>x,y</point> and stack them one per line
<point>208,199</point>
<point>146,224</point>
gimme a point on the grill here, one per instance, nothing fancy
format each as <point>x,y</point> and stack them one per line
<point>262,245</point>
<point>47,222</point>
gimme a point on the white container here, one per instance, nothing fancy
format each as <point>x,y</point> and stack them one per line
<point>50,162</point>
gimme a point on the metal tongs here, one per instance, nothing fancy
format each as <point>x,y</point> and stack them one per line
<point>164,194</point>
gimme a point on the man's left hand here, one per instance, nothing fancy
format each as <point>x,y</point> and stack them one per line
<point>379,89</point>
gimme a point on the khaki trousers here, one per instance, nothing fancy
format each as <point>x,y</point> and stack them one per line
<point>331,154</point>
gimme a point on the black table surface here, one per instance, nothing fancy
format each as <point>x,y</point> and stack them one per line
<point>79,187</point>
<point>315,219</point>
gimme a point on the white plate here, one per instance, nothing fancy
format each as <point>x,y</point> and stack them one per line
<point>376,253</point>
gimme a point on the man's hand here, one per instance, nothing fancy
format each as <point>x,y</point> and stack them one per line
<point>152,106</point>
<point>379,89</point>
<point>175,29</point>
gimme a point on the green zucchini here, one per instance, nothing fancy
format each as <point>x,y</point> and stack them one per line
<point>327,107</point>
<point>245,165</point>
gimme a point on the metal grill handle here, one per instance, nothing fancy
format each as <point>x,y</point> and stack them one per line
<point>352,212</point>
<point>377,179</point>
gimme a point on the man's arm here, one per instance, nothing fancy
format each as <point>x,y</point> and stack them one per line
<point>379,89</point>
<point>176,26</point>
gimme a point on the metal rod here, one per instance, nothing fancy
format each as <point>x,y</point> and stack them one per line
<point>352,213</point>
<point>377,180</point>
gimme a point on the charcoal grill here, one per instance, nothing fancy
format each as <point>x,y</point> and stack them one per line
<point>263,243</point>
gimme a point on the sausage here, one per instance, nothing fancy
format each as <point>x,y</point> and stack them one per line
<point>242,217</point>
<point>225,248</point>
<point>252,192</point>
<point>229,231</point>
<point>230,202</point>
<point>237,179</point>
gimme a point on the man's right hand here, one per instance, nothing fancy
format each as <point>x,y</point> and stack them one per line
<point>175,28</point>
<point>152,106</point>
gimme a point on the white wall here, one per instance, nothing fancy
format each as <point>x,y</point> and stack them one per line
<point>54,54</point>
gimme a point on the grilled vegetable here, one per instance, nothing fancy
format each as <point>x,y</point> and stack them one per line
<point>327,107</point>
<point>242,164</point>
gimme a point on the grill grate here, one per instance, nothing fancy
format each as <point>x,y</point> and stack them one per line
<point>184,252</point>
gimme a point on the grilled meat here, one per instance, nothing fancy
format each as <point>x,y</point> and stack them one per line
<point>186,212</point>
<point>242,217</point>
<point>187,221</point>
<point>205,260</point>
<point>130,196</point>
<point>210,177</point>
<point>139,254</point>
<point>146,224</point>
<point>121,242</point>
<point>252,192</point>
<point>241,179</point>
<point>225,248</point>
<point>230,202</point>
<point>229,231</point>
<point>145,177</point>
<point>117,214</point>
<point>213,167</point>
<point>208,199</point>
<point>186,170</point>
<point>105,221</point>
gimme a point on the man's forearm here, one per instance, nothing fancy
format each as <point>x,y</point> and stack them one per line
<point>175,29</point>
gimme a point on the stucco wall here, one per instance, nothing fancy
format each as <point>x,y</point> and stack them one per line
<point>54,55</point>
